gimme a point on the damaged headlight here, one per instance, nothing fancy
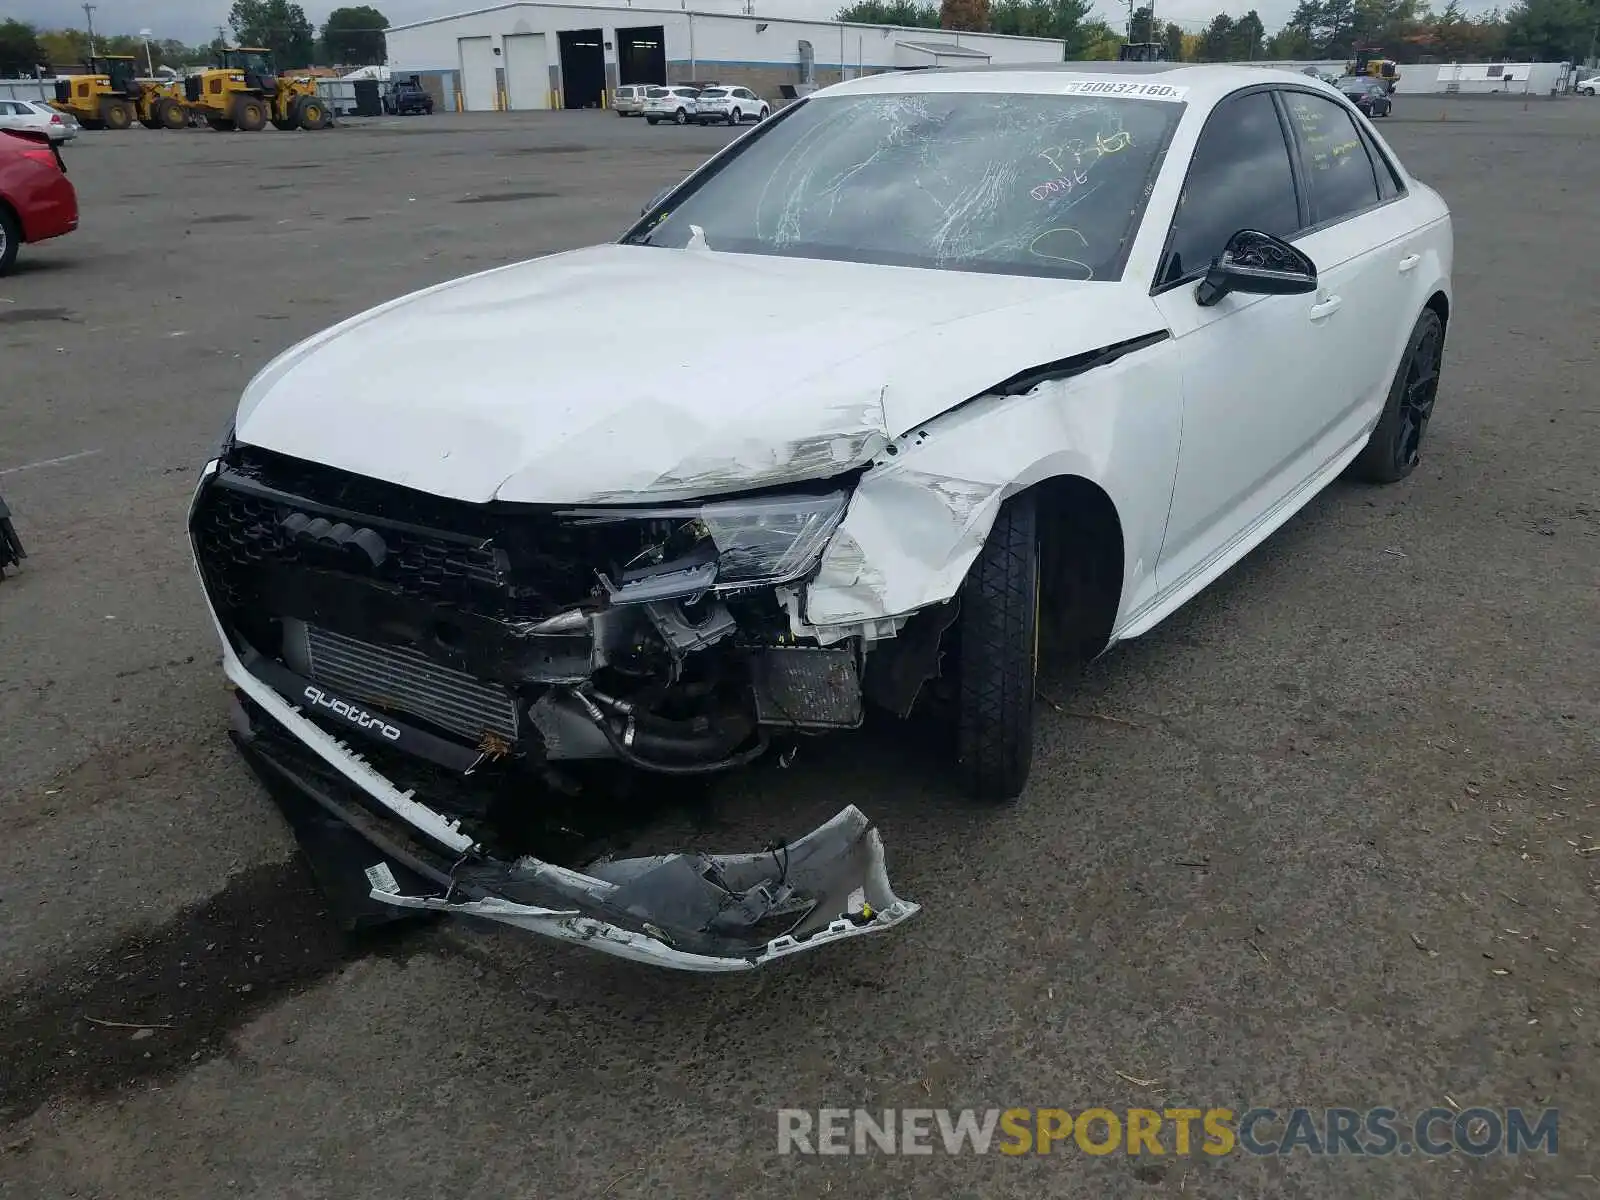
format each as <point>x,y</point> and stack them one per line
<point>773,540</point>
<point>763,541</point>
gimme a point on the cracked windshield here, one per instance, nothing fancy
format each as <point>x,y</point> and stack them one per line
<point>1012,184</point>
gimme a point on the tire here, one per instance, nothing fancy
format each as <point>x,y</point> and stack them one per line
<point>651,120</point>
<point>997,657</point>
<point>734,115</point>
<point>170,115</point>
<point>284,126</point>
<point>680,117</point>
<point>220,124</point>
<point>249,114</point>
<point>311,113</point>
<point>116,114</point>
<point>150,122</point>
<point>10,239</point>
<point>1395,447</point>
<point>762,115</point>
<point>92,123</point>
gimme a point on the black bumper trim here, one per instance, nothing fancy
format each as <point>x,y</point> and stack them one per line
<point>418,742</point>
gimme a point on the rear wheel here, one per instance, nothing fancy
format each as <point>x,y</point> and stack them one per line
<point>734,115</point>
<point>763,115</point>
<point>1395,447</point>
<point>680,117</point>
<point>170,115</point>
<point>249,114</point>
<point>10,239</point>
<point>997,657</point>
<point>116,114</point>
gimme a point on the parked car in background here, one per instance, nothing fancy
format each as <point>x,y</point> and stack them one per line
<point>675,103</point>
<point>37,200</point>
<point>628,99</point>
<point>33,114</point>
<point>729,105</point>
<point>1370,95</point>
<point>1588,87</point>
<point>406,96</point>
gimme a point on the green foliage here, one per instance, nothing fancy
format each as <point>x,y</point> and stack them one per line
<point>1552,30</point>
<point>20,51</point>
<point>1172,38</point>
<point>279,26</point>
<point>892,12</point>
<point>355,36</point>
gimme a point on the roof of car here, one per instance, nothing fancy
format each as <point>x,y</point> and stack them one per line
<point>1202,83</point>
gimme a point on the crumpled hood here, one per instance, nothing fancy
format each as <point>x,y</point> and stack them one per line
<point>631,372</point>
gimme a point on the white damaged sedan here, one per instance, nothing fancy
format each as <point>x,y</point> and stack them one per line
<point>1026,358</point>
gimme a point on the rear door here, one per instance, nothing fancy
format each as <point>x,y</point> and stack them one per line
<point>1361,238</point>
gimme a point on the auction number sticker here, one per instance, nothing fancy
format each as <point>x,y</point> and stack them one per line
<point>1108,87</point>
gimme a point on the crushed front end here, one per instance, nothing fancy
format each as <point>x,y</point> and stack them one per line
<point>414,676</point>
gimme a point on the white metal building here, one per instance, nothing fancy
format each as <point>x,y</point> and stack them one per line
<point>522,56</point>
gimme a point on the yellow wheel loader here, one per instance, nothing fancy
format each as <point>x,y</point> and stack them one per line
<point>244,91</point>
<point>112,96</point>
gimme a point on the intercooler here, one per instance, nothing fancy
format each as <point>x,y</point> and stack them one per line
<point>401,681</point>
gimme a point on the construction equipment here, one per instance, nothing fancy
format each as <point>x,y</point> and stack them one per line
<point>1370,61</point>
<point>112,96</point>
<point>1142,52</point>
<point>244,91</point>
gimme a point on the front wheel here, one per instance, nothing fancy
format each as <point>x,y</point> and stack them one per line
<point>1395,447</point>
<point>763,115</point>
<point>997,657</point>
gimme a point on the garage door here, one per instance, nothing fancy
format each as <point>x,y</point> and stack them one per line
<point>477,73</point>
<point>527,71</point>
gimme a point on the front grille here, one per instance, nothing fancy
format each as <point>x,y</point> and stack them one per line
<point>402,681</point>
<point>512,563</point>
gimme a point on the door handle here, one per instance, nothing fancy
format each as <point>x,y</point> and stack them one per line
<point>1409,263</point>
<point>1325,308</point>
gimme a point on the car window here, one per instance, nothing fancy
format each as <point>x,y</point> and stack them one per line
<point>1338,172</point>
<point>744,93</point>
<point>8,109</point>
<point>655,93</point>
<point>712,93</point>
<point>960,181</point>
<point>1240,178</point>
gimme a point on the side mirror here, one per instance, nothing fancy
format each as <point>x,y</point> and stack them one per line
<point>1258,264</point>
<point>654,200</point>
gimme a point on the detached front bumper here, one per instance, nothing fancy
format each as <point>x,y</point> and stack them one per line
<point>380,853</point>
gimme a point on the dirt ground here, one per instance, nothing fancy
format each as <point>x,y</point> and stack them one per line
<point>1317,840</point>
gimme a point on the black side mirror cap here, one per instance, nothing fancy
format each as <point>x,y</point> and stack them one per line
<point>1257,264</point>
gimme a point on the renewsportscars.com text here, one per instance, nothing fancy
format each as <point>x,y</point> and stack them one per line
<point>1369,1132</point>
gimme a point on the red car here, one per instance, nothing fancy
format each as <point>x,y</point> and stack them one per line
<point>37,200</point>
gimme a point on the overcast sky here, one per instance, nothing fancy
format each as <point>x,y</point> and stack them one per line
<point>197,20</point>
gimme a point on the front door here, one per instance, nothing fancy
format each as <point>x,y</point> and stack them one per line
<point>1252,402</point>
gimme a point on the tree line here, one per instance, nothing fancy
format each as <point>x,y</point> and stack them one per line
<point>349,37</point>
<point>1408,31</point>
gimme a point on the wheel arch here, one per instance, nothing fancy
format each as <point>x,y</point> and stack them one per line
<point>1082,562</point>
<point>1440,304</point>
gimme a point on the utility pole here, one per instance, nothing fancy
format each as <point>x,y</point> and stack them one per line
<point>88,14</point>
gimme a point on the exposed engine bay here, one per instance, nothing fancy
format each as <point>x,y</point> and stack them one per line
<point>470,657</point>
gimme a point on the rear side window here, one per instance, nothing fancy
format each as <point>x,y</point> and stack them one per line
<point>1339,173</point>
<point>1240,178</point>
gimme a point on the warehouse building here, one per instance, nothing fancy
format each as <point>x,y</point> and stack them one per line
<point>527,56</point>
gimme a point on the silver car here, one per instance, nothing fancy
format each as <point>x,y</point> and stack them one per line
<point>39,117</point>
<point>628,99</point>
